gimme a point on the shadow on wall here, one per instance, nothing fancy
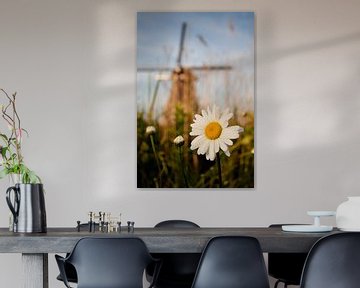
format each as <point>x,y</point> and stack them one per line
<point>307,109</point>
<point>275,55</point>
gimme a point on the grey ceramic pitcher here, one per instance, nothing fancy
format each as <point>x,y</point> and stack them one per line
<point>28,207</point>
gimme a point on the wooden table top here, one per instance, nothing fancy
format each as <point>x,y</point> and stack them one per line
<point>158,240</point>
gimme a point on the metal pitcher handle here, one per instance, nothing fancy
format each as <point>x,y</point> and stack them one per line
<point>13,208</point>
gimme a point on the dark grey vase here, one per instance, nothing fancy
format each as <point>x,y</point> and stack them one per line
<point>27,207</point>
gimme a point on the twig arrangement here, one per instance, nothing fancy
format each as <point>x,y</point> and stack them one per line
<point>12,159</point>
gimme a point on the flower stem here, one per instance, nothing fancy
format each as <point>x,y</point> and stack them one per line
<point>182,167</point>
<point>156,157</point>
<point>219,169</point>
<point>151,108</point>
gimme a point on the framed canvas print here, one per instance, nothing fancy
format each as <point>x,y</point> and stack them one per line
<point>195,100</point>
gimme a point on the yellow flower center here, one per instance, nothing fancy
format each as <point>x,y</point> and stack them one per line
<point>213,130</point>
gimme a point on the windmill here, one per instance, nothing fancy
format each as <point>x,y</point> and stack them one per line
<point>182,93</point>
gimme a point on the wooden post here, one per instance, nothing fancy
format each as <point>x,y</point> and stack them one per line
<point>35,270</point>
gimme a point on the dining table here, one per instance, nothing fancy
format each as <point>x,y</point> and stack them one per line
<point>35,247</point>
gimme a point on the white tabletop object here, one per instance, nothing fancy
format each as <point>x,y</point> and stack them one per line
<point>348,214</point>
<point>306,228</point>
<point>316,227</point>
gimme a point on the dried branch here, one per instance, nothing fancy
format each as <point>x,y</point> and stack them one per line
<point>12,159</point>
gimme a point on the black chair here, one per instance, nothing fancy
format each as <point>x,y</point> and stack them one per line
<point>333,262</point>
<point>178,269</point>
<point>286,267</point>
<point>232,262</point>
<point>108,263</point>
<point>69,269</point>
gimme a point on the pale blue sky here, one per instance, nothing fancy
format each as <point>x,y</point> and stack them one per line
<point>212,38</point>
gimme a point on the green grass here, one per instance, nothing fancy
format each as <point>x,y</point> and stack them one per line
<point>237,170</point>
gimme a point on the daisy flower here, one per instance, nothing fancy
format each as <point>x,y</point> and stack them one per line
<point>213,133</point>
<point>150,130</point>
<point>179,141</point>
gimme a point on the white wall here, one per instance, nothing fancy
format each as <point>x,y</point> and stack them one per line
<point>73,66</point>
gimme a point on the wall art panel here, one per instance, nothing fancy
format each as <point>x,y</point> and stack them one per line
<point>195,100</point>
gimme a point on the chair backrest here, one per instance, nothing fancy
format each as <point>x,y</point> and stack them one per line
<point>232,262</point>
<point>110,262</point>
<point>178,269</point>
<point>176,224</point>
<point>333,262</point>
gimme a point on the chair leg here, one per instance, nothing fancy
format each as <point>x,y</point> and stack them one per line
<point>278,282</point>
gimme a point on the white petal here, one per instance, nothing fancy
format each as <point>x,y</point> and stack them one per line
<point>212,150</point>
<point>223,124</point>
<point>196,132</point>
<point>207,156</point>
<point>204,147</point>
<point>230,132</point>
<point>198,117</point>
<point>216,113</point>
<point>210,113</point>
<point>223,146</point>
<point>213,113</point>
<point>204,113</point>
<point>226,141</point>
<point>196,142</point>
<point>206,119</point>
<point>225,117</point>
<point>237,128</point>
<point>227,153</point>
<point>198,125</point>
<point>217,145</point>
